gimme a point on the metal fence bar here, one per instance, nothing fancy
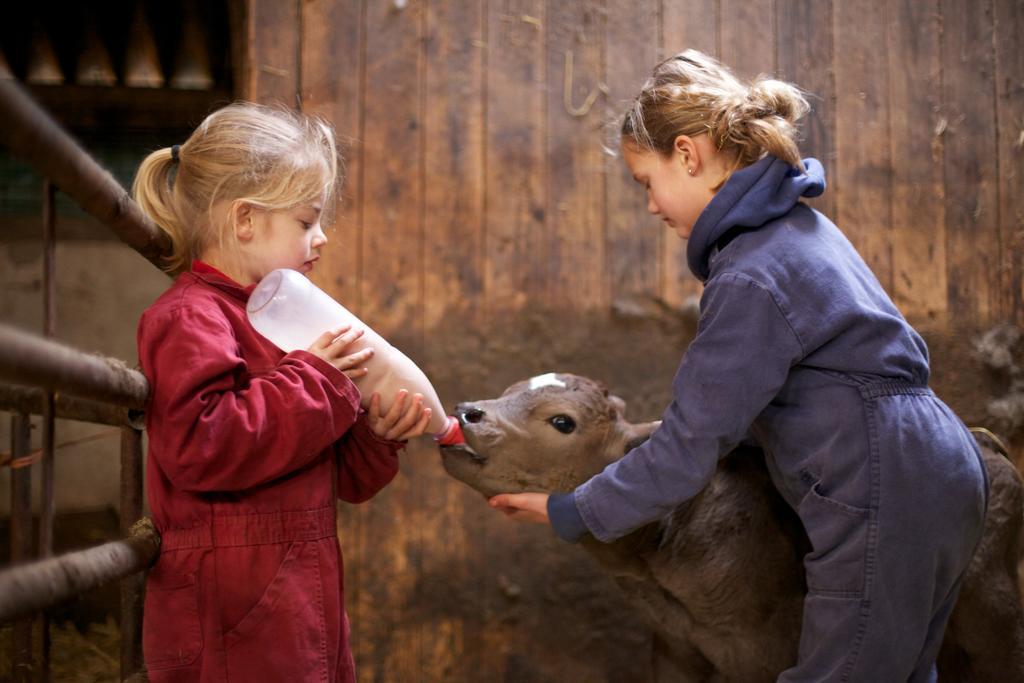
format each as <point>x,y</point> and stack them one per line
<point>28,359</point>
<point>36,137</point>
<point>26,589</point>
<point>47,507</point>
<point>34,360</point>
<point>22,666</point>
<point>30,400</point>
<point>132,587</point>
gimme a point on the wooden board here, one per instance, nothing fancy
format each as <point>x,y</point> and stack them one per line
<point>454,159</point>
<point>919,286</point>
<point>747,37</point>
<point>1009,73</point>
<point>516,268</point>
<point>863,174</point>
<point>972,222</point>
<point>574,244</point>
<point>804,52</point>
<point>273,50</point>
<point>689,24</point>
<point>393,245</point>
<point>633,237</point>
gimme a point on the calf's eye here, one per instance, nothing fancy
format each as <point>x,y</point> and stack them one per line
<point>563,423</point>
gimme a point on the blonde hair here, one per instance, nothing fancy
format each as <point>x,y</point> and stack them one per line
<point>692,93</point>
<point>271,157</point>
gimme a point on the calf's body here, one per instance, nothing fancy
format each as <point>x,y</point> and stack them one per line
<point>721,577</point>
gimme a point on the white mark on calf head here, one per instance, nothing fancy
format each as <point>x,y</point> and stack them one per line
<point>547,380</point>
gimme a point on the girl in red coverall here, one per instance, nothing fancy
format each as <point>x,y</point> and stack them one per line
<point>249,447</point>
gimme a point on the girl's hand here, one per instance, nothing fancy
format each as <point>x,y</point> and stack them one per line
<point>526,507</point>
<point>332,346</point>
<point>401,422</point>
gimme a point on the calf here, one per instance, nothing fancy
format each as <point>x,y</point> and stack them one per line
<point>721,578</point>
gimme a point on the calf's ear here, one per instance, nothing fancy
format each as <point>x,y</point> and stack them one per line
<point>638,433</point>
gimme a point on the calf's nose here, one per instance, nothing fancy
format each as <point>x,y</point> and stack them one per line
<point>468,414</point>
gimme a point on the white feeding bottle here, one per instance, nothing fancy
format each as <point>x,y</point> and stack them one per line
<point>292,312</point>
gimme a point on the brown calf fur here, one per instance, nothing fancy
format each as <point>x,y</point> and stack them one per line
<point>720,578</point>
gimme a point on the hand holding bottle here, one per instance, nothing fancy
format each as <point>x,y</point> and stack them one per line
<point>290,311</point>
<point>333,345</point>
<point>405,419</point>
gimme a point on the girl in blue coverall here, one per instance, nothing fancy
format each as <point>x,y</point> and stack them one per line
<point>799,347</point>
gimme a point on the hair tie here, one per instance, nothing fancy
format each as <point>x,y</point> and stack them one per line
<point>175,153</point>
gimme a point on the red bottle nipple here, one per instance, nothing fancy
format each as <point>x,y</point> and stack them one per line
<point>452,434</point>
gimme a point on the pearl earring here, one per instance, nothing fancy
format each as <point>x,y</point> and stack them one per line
<point>690,171</point>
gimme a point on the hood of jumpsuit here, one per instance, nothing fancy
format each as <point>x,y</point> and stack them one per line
<point>752,196</point>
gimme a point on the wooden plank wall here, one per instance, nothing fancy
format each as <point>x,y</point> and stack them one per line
<point>477,185</point>
<point>477,182</point>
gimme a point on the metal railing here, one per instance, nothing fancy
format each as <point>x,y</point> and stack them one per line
<point>64,382</point>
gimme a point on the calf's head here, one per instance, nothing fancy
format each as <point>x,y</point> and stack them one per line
<point>548,433</point>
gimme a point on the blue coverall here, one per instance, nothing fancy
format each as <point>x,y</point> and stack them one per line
<point>799,346</point>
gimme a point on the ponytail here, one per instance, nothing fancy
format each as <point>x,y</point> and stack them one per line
<point>762,122</point>
<point>692,94</point>
<point>153,191</point>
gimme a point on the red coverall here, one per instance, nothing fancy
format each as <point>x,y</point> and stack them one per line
<point>248,450</point>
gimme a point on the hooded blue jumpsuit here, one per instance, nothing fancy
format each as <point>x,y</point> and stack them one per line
<point>799,346</point>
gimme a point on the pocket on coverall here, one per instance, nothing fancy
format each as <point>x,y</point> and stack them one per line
<point>838,533</point>
<point>171,598</point>
<point>284,632</point>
